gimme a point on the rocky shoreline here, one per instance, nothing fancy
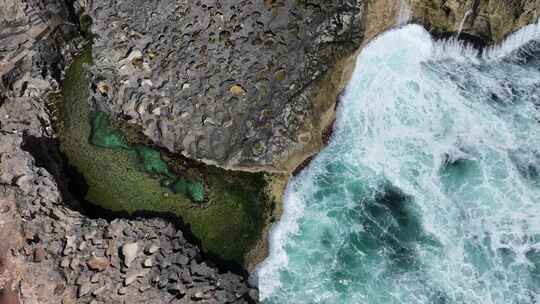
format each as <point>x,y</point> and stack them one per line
<point>52,252</point>
<point>229,85</point>
<point>227,222</point>
<point>144,73</point>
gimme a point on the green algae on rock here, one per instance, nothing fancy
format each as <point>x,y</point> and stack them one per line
<point>152,162</point>
<point>194,189</point>
<point>228,224</point>
<point>104,135</point>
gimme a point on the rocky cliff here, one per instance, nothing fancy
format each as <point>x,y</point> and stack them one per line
<point>485,21</point>
<point>244,86</point>
<point>248,85</point>
<point>225,82</point>
<point>50,252</point>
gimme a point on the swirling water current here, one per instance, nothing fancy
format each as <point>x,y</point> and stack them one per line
<point>429,191</point>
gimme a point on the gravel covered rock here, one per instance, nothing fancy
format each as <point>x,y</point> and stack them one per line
<point>98,271</point>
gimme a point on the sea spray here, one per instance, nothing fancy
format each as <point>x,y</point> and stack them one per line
<point>429,190</point>
<point>462,23</point>
<point>404,14</point>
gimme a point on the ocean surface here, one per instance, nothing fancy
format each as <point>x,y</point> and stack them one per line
<point>429,191</point>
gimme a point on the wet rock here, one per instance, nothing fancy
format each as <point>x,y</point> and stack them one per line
<point>488,20</point>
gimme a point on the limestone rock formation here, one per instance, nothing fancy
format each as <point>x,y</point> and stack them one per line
<point>489,21</point>
<point>247,85</point>
<point>242,86</point>
<point>226,82</point>
<point>49,251</point>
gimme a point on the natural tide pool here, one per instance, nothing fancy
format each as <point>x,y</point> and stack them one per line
<point>229,219</point>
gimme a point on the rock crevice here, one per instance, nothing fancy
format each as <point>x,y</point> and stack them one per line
<point>50,252</point>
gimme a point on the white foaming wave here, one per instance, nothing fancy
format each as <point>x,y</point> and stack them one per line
<point>460,51</point>
<point>379,58</point>
<point>513,42</point>
<point>404,13</point>
<point>266,276</point>
<point>455,49</point>
<point>268,270</point>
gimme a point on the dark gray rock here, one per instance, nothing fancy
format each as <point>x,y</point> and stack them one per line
<point>202,270</point>
<point>181,259</point>
<point>224,82</point>
<point>58,254</point>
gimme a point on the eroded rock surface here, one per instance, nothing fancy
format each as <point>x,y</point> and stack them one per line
<point>489,21</point>
<point>64,257</point>
<point>239,84</point>
<point>49,251</point>
<point>226,82</point>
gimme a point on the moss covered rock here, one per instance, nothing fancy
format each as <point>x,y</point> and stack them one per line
<point>103,135</point>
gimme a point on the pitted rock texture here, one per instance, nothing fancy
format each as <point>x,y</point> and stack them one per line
<point>49,251</point>
<point>229,82</point>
